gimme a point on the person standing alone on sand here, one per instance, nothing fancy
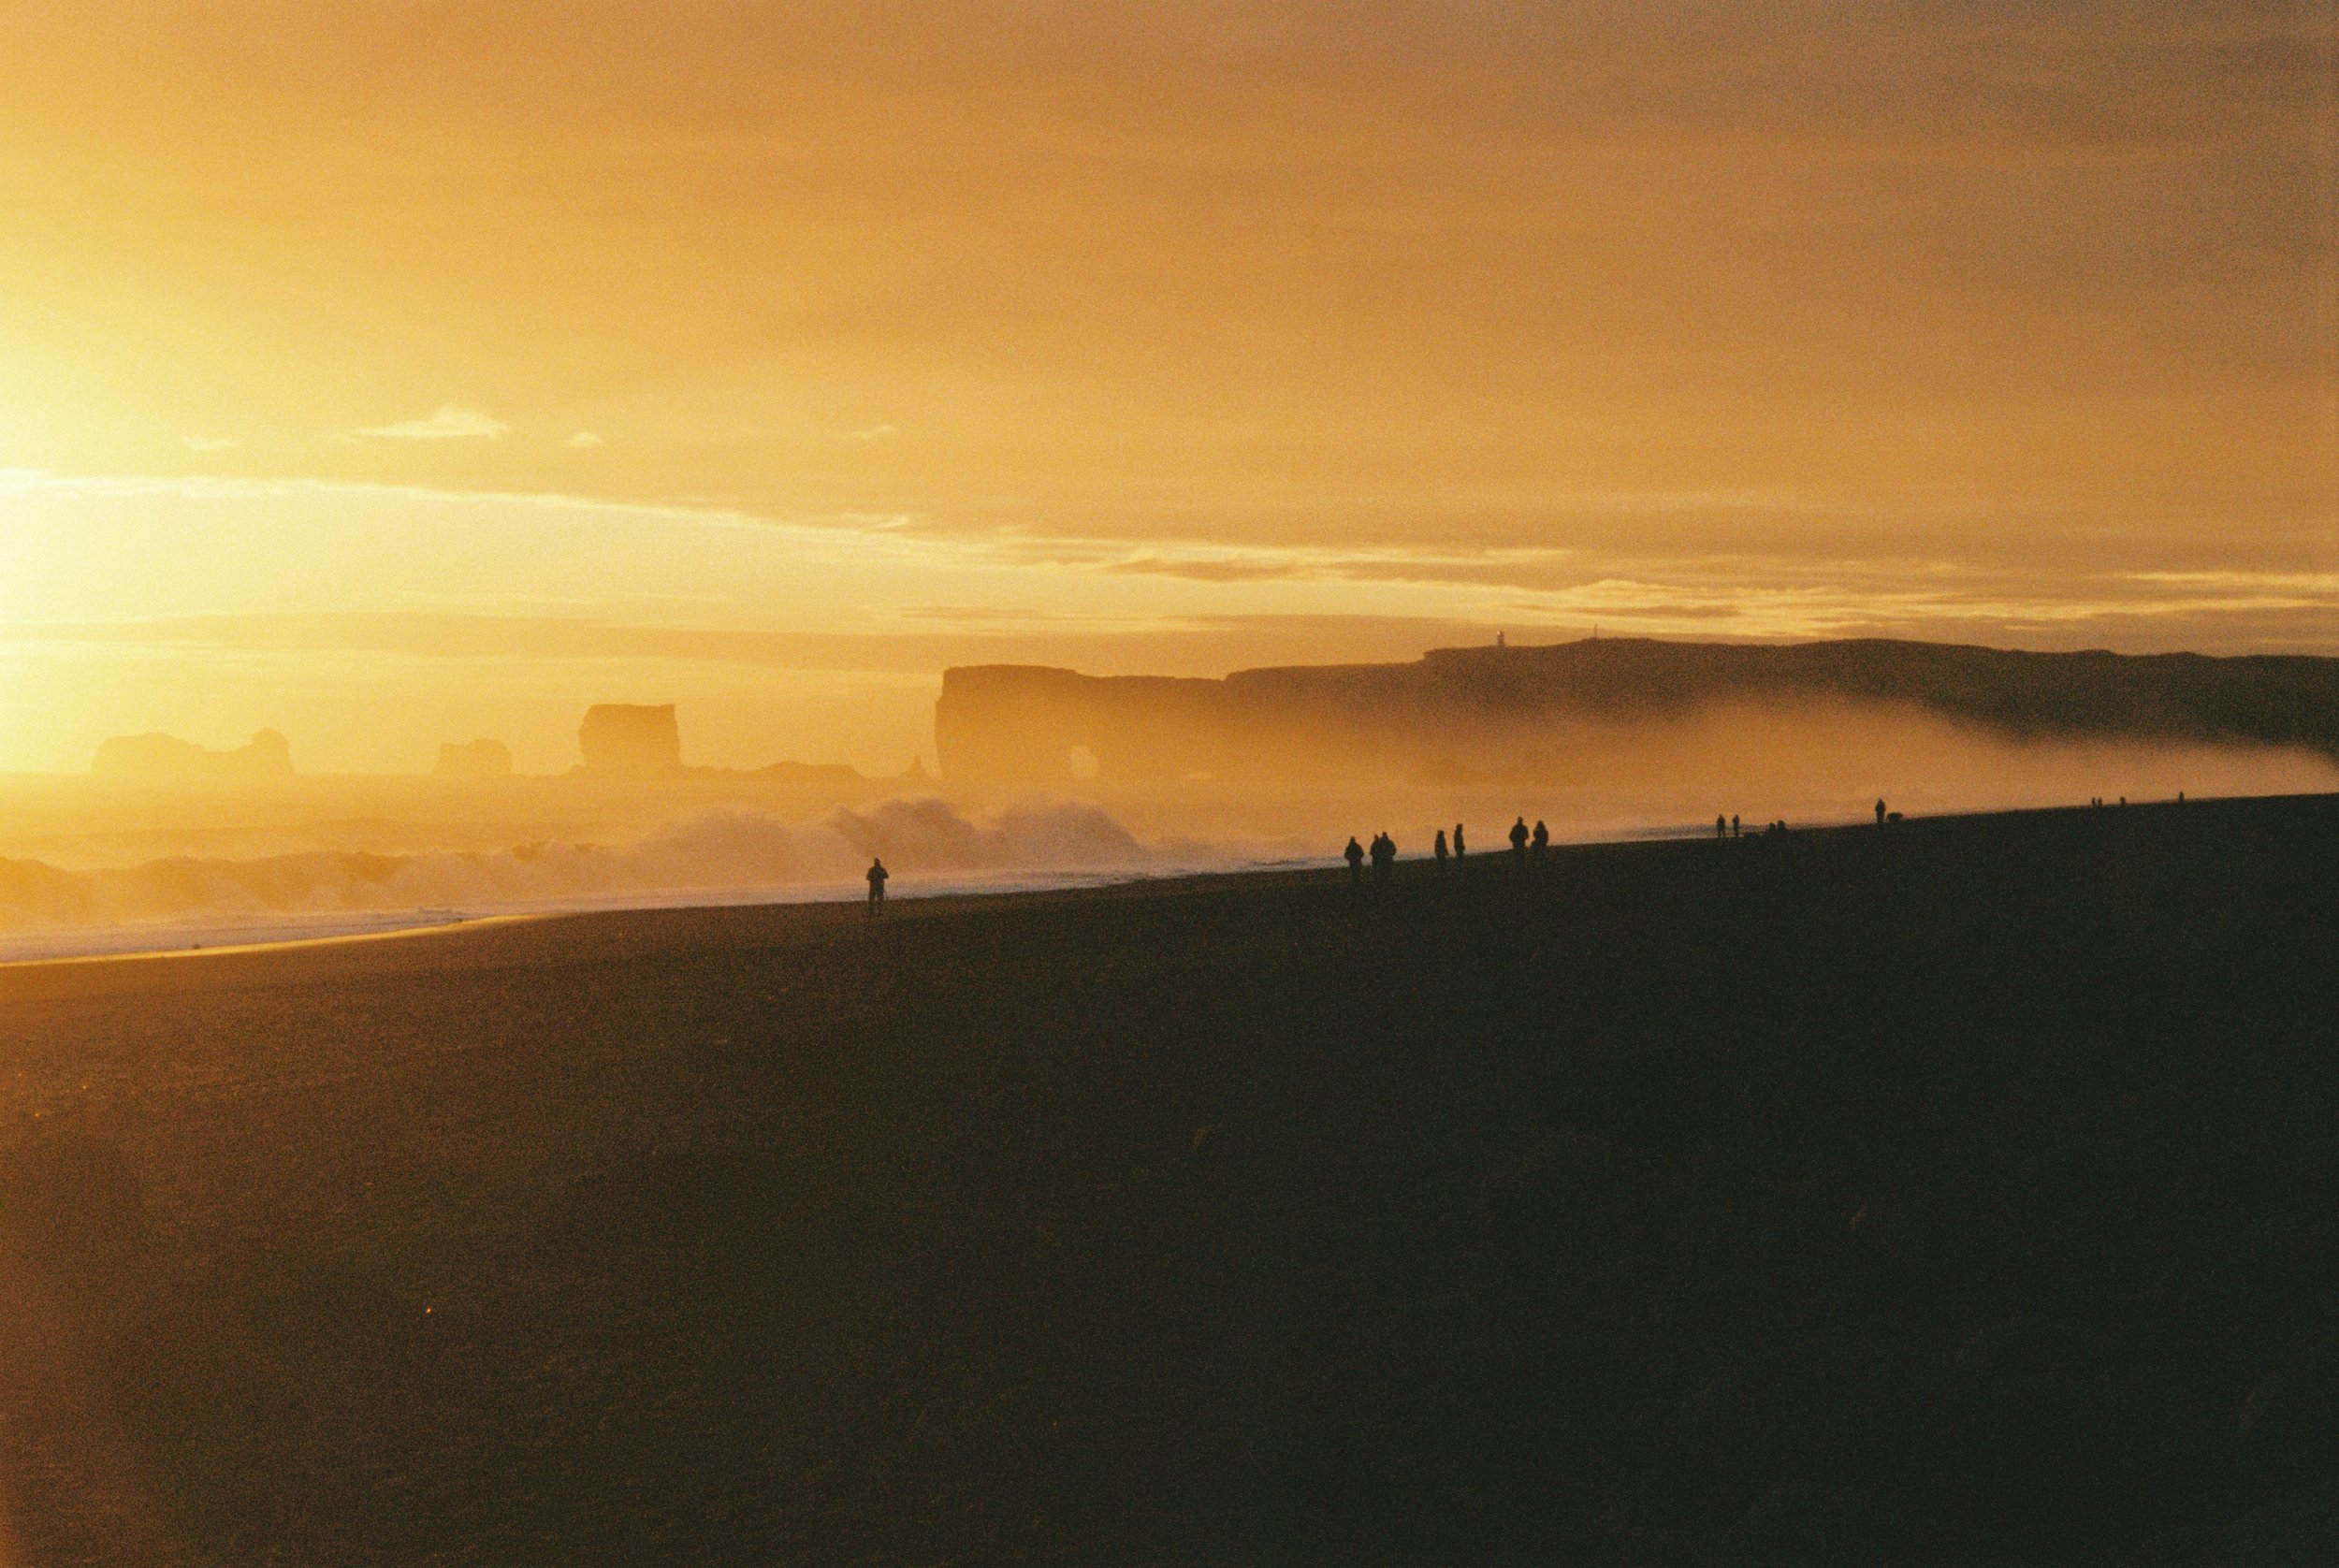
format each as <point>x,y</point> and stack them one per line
<point>1721,826</point>
<point>877,884</point>
<point>1459,850</point>
<point>1355,853</point>
<point>1880,813</point>
<point>1437,847</point>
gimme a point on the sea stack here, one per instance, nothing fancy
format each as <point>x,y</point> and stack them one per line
<point>267,756</point>
<point>631,738</point>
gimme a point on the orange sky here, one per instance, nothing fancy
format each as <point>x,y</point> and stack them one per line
<point>505,356</point>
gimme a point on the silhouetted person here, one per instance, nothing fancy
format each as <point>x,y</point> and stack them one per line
<point>1721,827</point>
<point>1880,813</point>
<point>1384,856</point>
<point>1734,829</point>
<point>1355,851</point>
<point>877,884</point>
<point>1542,838</point>
<point>1437,847</point>
<point>1460,849</point>
<point>1519,839</point>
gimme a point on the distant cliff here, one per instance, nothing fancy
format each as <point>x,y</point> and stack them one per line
<point>1032,725</point>
<point>268,755</point>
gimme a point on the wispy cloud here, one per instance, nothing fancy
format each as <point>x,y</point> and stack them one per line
<point>2305,587</point>
<point>584,439</point>
<point>873,432</point>
<point>450,422</point>
<point>205,443</point>
<point>1038,589</point>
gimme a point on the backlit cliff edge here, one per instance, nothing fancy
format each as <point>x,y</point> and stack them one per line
<point>1552,711</point>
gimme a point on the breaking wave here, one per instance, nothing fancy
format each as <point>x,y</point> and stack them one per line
<point>728,853</point>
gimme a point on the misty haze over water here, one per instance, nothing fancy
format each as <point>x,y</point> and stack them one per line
<point>89,865</point>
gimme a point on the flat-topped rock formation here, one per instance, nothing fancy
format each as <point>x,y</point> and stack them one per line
<point>161,756</point>
<point>1027,724</point>
<point>630,737</point>
<point>643,741</point>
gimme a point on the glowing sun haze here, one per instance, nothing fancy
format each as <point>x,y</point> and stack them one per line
<point>393,373</point>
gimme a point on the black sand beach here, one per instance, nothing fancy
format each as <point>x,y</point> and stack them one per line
<point>1965,1191</point>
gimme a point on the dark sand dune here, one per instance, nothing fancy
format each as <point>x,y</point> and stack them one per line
<point>1967,1191</point>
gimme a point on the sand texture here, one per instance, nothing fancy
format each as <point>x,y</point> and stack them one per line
<point>1965,1191</point>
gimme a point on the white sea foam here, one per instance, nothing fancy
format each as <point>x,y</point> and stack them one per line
<point>184,903</point>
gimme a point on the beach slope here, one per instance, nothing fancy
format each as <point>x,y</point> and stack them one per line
<point>1961,1190</point>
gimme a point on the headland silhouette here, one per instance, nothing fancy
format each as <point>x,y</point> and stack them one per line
<point>1492,710</point>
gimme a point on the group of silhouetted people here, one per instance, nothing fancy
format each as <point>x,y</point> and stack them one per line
<point>1384,853</point>
<point>1525,841</point>
<point>1382,850</point>
<point>1438,847</point>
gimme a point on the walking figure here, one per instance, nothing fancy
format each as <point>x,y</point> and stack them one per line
<point>1721,827</point>
<point>1542,839</point>
<point>1734,828</point>
<point>877,884</point>
<point>1355,853</point>
<point>1880,813</point>
<point>1519,839</point>
<point>1437,847</point>
<point>1459,850</point>
<point>1384,856</point>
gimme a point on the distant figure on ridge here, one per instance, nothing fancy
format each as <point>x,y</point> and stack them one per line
<point>1721,827</point>
<point>1734,828</point>
<point>1437,847</point>
<point>1384,856</point>
<point>1459,850</point>
<point>1355,853</point>
<point>1542,838</point>
<point>1519,839</point>
<point>877,884</point>
<point>1880,813</point>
